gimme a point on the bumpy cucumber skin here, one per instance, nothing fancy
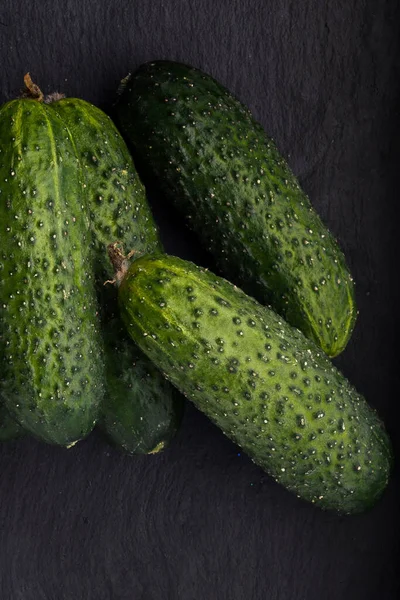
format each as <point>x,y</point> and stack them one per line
<point>268,387</point>
<point>141,411</point>
<point>51,349</point>
<point>9,428</point>
<point>215,163</point>
<point>117,203</point>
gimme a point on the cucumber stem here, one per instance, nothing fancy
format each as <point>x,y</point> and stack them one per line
<point>33,90</point>
<point>119,261</point>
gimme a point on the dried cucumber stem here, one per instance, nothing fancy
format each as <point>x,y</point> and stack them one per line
<point>158,448</point>
<point>33,91</point>
<point>123,83</point>
<point>119,261</point>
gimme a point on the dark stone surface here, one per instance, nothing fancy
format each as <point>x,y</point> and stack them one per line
<point>199,521</point>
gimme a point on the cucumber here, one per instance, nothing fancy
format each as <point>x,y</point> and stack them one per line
<point>214,162</point>
<point>117,204</point>
<point>140,411</point>
<point>9,429</point>
<point>51,377</point>
<point>269,388</point>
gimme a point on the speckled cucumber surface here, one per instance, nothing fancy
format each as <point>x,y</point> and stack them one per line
<point>267,386</point>
<point>214,162</point>
<point>116,198</point>
<point>141,411</point>
<point>51,376</point>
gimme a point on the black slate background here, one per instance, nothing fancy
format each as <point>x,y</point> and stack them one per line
<point>199,521</point>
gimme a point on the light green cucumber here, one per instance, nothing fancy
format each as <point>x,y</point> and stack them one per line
<point>269,388</point>
<point>51,375</point>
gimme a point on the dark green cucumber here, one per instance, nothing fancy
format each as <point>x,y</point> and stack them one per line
<point>141,411</point>
<point>9,428</point>
<point>210,157</point>
<point>50,345</point>
<point>268,387</point>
